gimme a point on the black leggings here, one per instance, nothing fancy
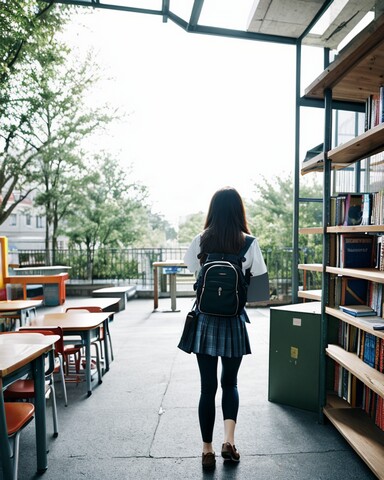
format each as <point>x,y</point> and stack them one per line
<point>230,399</point>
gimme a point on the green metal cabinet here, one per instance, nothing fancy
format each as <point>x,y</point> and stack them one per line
<point>294,355</point>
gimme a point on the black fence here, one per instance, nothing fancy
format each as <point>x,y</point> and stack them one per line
<point>133,266</point>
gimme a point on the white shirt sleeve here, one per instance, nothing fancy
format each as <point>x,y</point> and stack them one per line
<point>190,257</point>
<point>254,260</point>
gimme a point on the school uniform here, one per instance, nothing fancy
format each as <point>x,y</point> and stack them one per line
<point>222,336</point>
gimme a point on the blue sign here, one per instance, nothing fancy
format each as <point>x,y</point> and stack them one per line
<point>171,270</point>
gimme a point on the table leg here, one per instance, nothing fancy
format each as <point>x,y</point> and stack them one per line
<point>22,317</point>
<point>106,349</point>
<point>155,289</point>
<point>172,288</point>
<point>40,418</point>
<point>88,362</point>
<point>5,450</point>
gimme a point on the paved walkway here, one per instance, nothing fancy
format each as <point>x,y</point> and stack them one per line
<point>141,422</point>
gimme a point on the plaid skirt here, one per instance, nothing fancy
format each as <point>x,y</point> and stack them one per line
<point>220,336</point>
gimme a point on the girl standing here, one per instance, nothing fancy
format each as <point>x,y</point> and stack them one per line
<point>225,337</point>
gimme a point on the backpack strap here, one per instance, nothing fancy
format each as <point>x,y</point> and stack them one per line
<point>231,257</point>
<point>248,241</point>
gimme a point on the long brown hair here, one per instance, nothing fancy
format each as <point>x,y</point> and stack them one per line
<point>225,224</point>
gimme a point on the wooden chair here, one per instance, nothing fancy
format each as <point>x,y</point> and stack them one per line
<point>9,320</point>
<point>59,352</point>
<point>18,415</point>
<point>25,389</point>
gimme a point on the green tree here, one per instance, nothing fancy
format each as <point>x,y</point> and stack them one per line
<point>192,226</point>
<point>270,215</point>
<point>25,27</point>
<point>156,231</point>
<point>108,208</point>
<point>26,31</point>
<point>64,121</point>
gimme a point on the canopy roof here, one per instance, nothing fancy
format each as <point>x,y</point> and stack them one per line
<point>312,22</point>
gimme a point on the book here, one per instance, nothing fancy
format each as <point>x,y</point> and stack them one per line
<point>357,310</point>
<point>367,209</point>
<point>379,252</point>
<point>332,216</point>
<point>375,297</point>
<point>357,251</point>
<point>354,206</point>
<point>367,118</point>
<point>340,208</point>
<point>375,109</point>
<point>377,208</point>
<point>381,104</point>
<point>369,349</point>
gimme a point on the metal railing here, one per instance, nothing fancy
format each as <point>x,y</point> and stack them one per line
<point>133,266</point>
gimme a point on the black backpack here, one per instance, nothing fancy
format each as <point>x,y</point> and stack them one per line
<point>221,286</point>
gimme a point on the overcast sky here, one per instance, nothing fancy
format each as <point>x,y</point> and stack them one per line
<point>204,111</point>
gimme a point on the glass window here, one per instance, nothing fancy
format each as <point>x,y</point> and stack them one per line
<point>39,221</point>
<point>13,220</point>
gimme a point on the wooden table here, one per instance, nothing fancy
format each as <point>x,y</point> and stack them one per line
<point>17,360</point>
<point>83,325</point>
<point>58,279</point>
<point>19,306</point>
<point>172,281</point>
<point>110,305</point>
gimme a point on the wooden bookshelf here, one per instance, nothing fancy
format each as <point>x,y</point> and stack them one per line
<point>361,433</point>
<point>356,229</point>
<point>351,362</point>
<point>312,267</point>
<point>311,230</point>
<point>343,229</point>
<point>354,76</point>
<point>363,323</point>
<point>363,146</point>
<point>371,274</point>
<point>310,294</point>
<point>316,164</point>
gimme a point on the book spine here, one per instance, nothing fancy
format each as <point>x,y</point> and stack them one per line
<point>381,104</point>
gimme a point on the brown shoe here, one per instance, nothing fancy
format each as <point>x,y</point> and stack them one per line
<point>229,452</point>
<point>208,461</point>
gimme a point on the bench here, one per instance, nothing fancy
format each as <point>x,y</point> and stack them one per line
<point>124,293</point>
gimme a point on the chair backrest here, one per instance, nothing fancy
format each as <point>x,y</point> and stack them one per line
<point>59,345</point>
<point>91,309</point>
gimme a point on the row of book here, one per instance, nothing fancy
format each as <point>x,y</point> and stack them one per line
<point>374,109</point>
<point>367,346</point>
<point>379,263</point>
<point>359,395</point>
<point>370,349</point>
<point>377,209</point>
<point>350,209</point>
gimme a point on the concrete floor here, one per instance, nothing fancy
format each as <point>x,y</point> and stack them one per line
<point>141,422</point>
